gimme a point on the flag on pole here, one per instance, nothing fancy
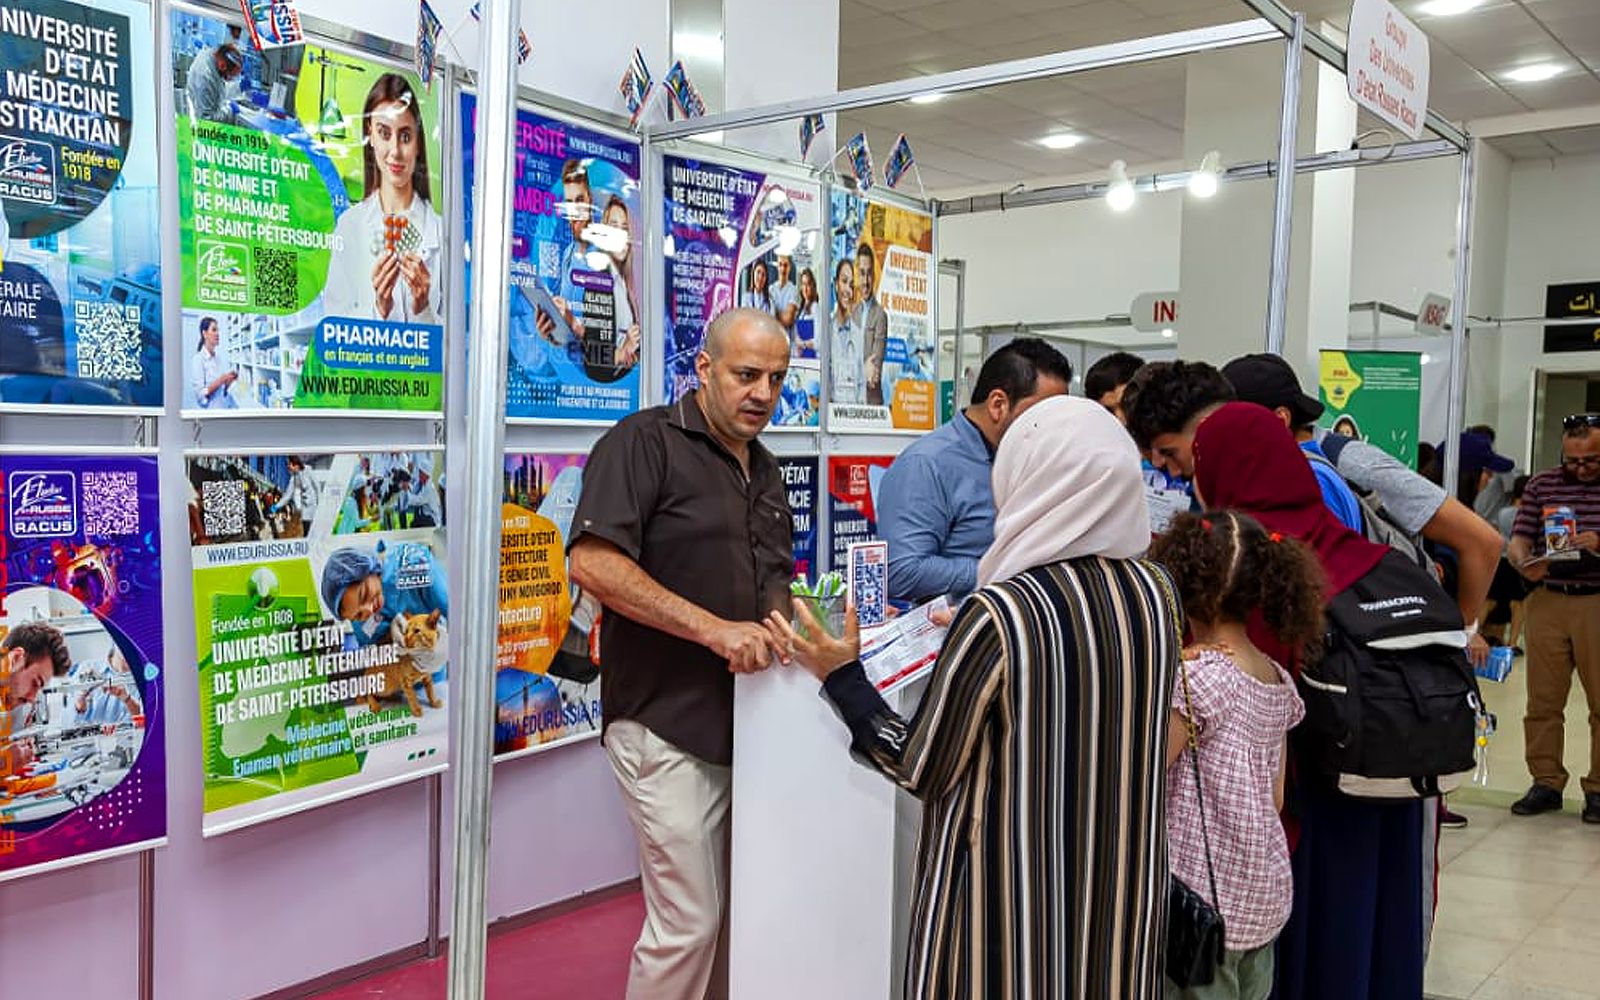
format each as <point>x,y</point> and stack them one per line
<point>860,161</point>
<point>524,47</point>
<point>683,92</point>
<point>811,126</point>
<point>900,160</point>
<point>273,23</point>
<point>636,86</point>
<point>428,29</point>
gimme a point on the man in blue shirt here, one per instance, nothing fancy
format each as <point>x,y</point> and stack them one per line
<point>936,502</point>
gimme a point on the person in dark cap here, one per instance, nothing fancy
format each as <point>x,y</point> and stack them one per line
<point>1480,463</point>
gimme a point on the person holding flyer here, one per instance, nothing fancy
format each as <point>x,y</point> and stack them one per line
<point>391,264</point>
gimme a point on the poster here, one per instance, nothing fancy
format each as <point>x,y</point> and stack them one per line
<point>547,669</point>
<point>80,212</point>
<point>312,243</point>
<point>322,620</point>
<point>1374,396</point>
<point>883,361</point>
<point>852,503</point>
<point>82,733</point>
<point>577,275</point>
<point>742,239</point>
<point>1570,301</point>
<point>800,484</point>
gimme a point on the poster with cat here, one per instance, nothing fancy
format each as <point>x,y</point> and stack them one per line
<point>322,620</point>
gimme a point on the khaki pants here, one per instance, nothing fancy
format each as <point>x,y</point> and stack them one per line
<point>679,808</point>
<point>1563,636</point>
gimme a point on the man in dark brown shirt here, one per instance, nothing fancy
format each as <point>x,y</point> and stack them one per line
<point>683,533</point>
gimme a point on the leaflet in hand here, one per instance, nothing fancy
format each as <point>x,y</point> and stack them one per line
<point>905,649</point>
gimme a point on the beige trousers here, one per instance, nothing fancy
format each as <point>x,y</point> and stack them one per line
<point>679,806</point>
<point>1563,639</point>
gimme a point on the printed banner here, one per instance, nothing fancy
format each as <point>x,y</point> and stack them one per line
<point>547,667</point>
<point>313,248</point>
<point>1374,396</point>
<point>883,367</point>
<point>321,620</point>
<point>1571,301</point>
<point>82,718</point>
<point>746,239</point>
<point>576,269</point>
<point>800,483</point>
<point>853,503</point>
<point>80,212</point>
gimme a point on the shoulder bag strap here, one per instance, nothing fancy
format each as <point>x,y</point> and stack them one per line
<point>1199,796</point>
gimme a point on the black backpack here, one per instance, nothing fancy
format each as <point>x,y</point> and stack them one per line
<point>1391,708</point>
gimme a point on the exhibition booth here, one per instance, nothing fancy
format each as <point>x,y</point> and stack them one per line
<point>249,460</point>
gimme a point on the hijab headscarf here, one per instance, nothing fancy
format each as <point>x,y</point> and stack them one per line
<point>1066,485</point>
<point>1245,459</point>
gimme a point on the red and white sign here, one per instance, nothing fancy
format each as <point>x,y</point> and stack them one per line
<point>1433,315</point>
<point>1154,312</point>
<point>1387,68</point>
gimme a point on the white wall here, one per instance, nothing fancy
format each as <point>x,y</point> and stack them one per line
<point>1551,238</point>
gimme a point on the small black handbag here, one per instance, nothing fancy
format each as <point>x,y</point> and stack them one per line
<point>1195,941</point>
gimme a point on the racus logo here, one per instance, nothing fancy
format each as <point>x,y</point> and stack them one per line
<point>27,171</point>
<point>43,504</point>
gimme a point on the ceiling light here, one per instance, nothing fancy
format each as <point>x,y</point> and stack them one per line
<point>1061,140</point>
<point>1534,73</point>
<point>777,196</point>
<point>715,137</point>
<point>1167,332</point>
<point>1447,8</point>
<point>1203,182</point>
<point>597,260</point>
<point>669,246</point>
<point>927,99</point>
<point>1427,358</point>
<point>1119,195</point>
<point>730,235</point>
<point>693,45</point>
<point>788,240</point>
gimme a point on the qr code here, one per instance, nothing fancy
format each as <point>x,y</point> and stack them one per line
<point>108,341</point>
<point>110,503</point>
<point>222,506</point>
<point>549,259</point>
<point>277,278</point>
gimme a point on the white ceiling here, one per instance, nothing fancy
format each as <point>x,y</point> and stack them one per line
<point>981,140</point>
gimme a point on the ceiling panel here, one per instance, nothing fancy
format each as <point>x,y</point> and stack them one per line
<point>1137,112</point>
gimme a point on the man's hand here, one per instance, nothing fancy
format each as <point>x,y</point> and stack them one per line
<point>1534,572</point>
<point>745,645</point>
<point>1478,650</point>
<point>1589,541</point>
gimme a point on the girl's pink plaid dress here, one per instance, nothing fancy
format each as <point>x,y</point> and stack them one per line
<point>1242,723</point>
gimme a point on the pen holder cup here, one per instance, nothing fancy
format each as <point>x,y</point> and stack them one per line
<point>830,610</point>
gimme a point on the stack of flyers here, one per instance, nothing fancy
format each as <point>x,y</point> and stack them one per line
<point>273,23</point>
<point>811,126</point>
<point>428,28</point>
<point>906,648</point>
<point>1560,533</point>
<point>684,94</point>
<point>860,161</point>
<point>869,582</point>
<point>636,87</point>
<point>900,160</point>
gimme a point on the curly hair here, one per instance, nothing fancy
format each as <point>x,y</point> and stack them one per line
<point>1165,395</point>
<point>1225,565</point>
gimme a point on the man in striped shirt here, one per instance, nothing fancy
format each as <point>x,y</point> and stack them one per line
<point>1563,612</point>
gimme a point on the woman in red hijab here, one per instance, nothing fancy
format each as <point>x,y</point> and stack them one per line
<point>1356,932</point>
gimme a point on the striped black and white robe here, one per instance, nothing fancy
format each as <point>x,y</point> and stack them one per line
<point>1038,751</point>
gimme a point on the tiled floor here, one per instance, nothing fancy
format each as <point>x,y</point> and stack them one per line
<point>1519,897</point>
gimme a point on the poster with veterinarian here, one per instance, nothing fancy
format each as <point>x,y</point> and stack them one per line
<point>547,662</point>
<point>321,621</point>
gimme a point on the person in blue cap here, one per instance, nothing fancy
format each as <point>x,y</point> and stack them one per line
<point>369,589</point>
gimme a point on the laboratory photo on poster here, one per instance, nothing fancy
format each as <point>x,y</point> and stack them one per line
<point>882,366</point>
<point>309,194</point>
<point>82,714</point>
<point>547,662</point>
<point>576,269</point>
<point>749,240</point>
<point>322,617</point>
<point>80,216</point>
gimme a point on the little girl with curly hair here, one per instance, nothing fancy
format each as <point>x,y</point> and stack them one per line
<point>1232,710</point>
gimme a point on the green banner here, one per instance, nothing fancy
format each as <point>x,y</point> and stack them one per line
<point>1374,396</point>
<point>312,265</point>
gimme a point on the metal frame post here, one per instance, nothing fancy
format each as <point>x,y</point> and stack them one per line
<point>1457,400</point>
<point>1283,198</point>
<point>147,924</point>
<point>491,255</point>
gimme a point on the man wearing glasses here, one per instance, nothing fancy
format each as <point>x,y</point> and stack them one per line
<point>1563,611</point>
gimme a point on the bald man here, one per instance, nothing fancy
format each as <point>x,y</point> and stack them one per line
<point>683,534</point>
